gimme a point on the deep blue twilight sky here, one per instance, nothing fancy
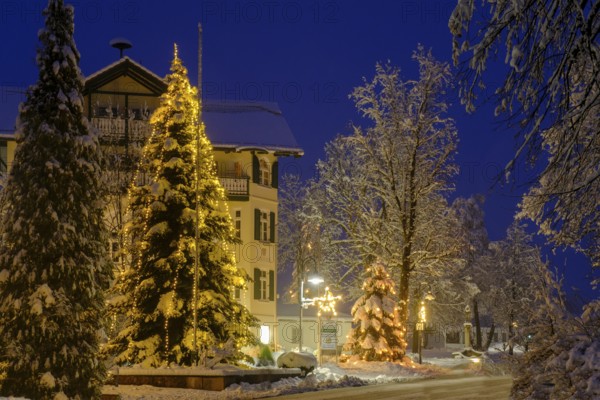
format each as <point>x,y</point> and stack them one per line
<point>305,55</point>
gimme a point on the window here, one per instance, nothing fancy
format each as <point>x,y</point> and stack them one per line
<point>265,173</point>
<point>264,226</point>
<point>264,284</point>
<point>114,250</point>
<point>3,156</point>
<point>237,220</point>
<point>265,334</point>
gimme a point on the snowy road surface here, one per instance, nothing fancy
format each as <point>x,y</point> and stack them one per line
<point>466,388</point>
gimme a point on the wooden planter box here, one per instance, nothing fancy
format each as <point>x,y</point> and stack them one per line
<point>202,380</point>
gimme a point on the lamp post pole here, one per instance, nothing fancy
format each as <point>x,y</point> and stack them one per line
<point>301,299</point>
<point>305,302</point>
<point>422,323</point>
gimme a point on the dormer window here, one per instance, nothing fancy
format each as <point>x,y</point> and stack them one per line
<point>265,173</point>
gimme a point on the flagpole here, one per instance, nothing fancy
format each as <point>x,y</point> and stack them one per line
<point>197,230</point>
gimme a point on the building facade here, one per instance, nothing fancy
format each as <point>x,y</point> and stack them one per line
<point>248,139</point>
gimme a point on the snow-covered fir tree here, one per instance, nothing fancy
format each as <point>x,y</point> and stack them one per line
<point>53,270</point>
<point>377,334</point>
<point>157,293</point>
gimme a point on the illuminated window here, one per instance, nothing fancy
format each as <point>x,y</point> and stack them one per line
<point>265,334</point>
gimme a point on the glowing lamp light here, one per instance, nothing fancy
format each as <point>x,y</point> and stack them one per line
<point>316,280</point>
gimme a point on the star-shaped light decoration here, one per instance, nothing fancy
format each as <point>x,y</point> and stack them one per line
<point>327,302</point>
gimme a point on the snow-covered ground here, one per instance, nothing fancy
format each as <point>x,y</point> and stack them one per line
<point>350,373</point>
<point>330,375</point>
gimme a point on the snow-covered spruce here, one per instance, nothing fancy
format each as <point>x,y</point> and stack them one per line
<point>377,334</point>
<point>156,293</point>
<point>53,269</point>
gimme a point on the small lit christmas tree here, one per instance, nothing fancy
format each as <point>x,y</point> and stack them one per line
<point>378,334</point>
<point>53,269</point>
<point>158,291</point>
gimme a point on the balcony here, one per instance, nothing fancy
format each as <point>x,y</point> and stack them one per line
<point>237,188</point>
<point>121,131</point>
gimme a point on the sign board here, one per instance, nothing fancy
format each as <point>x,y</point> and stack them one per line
<point>420,326</point>
<point>328,336</point>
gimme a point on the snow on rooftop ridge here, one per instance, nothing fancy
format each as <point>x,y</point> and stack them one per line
<point>7,134</point>
<point>233,106</point>
<point>119,61</point>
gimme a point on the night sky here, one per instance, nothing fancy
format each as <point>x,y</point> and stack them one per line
<point>305,55</point>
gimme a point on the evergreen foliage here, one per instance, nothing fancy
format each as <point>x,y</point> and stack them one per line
<point>157,293</point>
<point>378,333</point>
<point>53,269</point>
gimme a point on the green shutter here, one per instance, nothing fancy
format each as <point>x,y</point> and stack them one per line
<point>275,175</point>
<point>272,227</point>
<point>255,169</point>
<point>256,224</point>
<point>271,285</point>
<point>256,284</point>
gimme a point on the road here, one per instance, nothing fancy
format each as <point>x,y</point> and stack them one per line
<point>461,388</point>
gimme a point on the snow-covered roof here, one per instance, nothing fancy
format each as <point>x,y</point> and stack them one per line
<point>249,126</point>
<point>8,135</point>
<point>233,126</point>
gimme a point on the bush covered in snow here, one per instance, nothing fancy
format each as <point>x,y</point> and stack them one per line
<point>305,361</point>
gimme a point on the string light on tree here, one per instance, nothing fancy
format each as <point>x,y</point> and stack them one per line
<point>379,334</point>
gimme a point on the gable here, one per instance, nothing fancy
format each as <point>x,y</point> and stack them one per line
<point>134,72</point>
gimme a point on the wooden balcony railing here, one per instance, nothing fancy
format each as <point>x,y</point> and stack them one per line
<point>115,130</point>
<point>235,186</point>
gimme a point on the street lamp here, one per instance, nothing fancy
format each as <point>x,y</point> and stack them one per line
<point>326,304</point>
<point>421,324</point>
<point>305,303</point>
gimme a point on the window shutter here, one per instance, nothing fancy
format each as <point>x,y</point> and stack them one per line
<point>271,285</point>
<point>256,224</point>
<point>275,175</point>
<point>256,284</point>
<point>272,226</point>
<point>255,169</point>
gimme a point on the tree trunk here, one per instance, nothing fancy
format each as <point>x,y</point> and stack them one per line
<point>477,325</point>
<point>510,335</point>
<point>490,337</point>
<point>403,297</point>
<point>415,311</point>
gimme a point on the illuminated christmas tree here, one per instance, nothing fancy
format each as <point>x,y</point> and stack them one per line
<point>377,334</point>
<point>158,291</point>
<point>53,269</point>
